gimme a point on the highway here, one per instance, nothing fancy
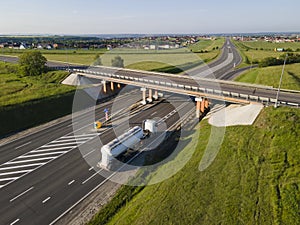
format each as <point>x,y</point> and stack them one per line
<point>44,174</point>
<point>38,194</point>
<point>224,64</point>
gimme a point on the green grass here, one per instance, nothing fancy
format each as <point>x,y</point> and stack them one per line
<point>207,45</point>
<point>15,89</point>
<point>258,50</point>
<point>270,46</point>
<point>271,75</point>
<point>253,180</point>
<point>30,101</point>
<point>132,57</point>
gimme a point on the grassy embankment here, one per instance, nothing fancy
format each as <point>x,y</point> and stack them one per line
<point>256,51</point>
<point>271,75</point>
<point>253,180</point>
<point>28,101</point>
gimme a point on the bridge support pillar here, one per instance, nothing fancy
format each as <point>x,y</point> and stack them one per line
<point>155,96</point>
<point>104,86</point>
<point>206,103</point>
<point>112,86</point>
<point>198,107</point>
<point>149,99</point>
<point>144,102</point>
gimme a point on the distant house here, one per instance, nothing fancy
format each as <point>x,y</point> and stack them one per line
<point>279,49</point>
<point>23,46</point>
<point>39,46</point>
<point>58,45</point>
<point>16,46</point>
<point>49,47</point>
<point>152,47</point>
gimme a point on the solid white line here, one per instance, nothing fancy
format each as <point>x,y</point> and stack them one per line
<point>91,168</point>
<point>23,193</point>
<point>57,145</point>
<point>22,166</point>
<point>52,149</point>
<point>10,178</point>
<point>23,145</point>
<point>71,182</point>
<point>89,153</point>
<point>46,200</point>
<point>15,172</point>
<point>17,220</point>
<point>89,178</point>
<point>82,135</point>
<point>71,140</point>
<point>31,160</point>
<point>50,153</point>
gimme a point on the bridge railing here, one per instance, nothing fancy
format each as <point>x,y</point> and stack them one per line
<point>201,90</point>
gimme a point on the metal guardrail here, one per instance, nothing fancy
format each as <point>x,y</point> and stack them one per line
<point>227,95</point>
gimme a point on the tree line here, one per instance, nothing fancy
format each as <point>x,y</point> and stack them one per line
<point>272,61</point>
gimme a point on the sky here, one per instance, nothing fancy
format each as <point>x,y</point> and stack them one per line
<point>148,16</point>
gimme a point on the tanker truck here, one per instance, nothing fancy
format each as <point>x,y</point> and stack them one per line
<point>121,144</point>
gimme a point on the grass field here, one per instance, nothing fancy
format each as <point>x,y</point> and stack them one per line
<point>254,55</point>
<point>15,89</point>
<point>270,46</point>
<point>271,75</point>
<point>132,57</point>
<point>253,180</point>
<point>207,45</point>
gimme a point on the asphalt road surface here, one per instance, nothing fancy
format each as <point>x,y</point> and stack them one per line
<point>45,173</point>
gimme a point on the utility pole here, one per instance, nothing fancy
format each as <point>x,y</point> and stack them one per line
<point>277,96</point>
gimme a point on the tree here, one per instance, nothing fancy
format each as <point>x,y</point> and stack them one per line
<point>117,62</point>
<point>32,63</point>
<point>97,60</point>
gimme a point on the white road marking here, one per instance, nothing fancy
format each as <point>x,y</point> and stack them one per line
<point>15,172</point>
<point>91,168</point>
<point>71,182</point>
<point>23,145</point>
<point>82,135</point>
<point>9,178</point>
<point>89,178</point>
<point>71,140</point>
<point>23,193</point>
<point>49,153</point>
<point>31,160</point>
<point>51,149</point>
<point>22,166</point>
<point>89,153</point>
<point>17,220</point>
<point>57,145</point>
<point>46,200</point>
<point>153,113</point>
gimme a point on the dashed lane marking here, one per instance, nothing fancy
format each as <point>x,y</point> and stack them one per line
<point>46,200</point>
<point>17,220</point>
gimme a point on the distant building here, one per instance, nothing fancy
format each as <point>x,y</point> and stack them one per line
<point>152,47</point>
<point>278,49</point>
<point>23,46</point>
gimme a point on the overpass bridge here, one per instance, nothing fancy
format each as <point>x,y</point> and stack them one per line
<point>200,88</point>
